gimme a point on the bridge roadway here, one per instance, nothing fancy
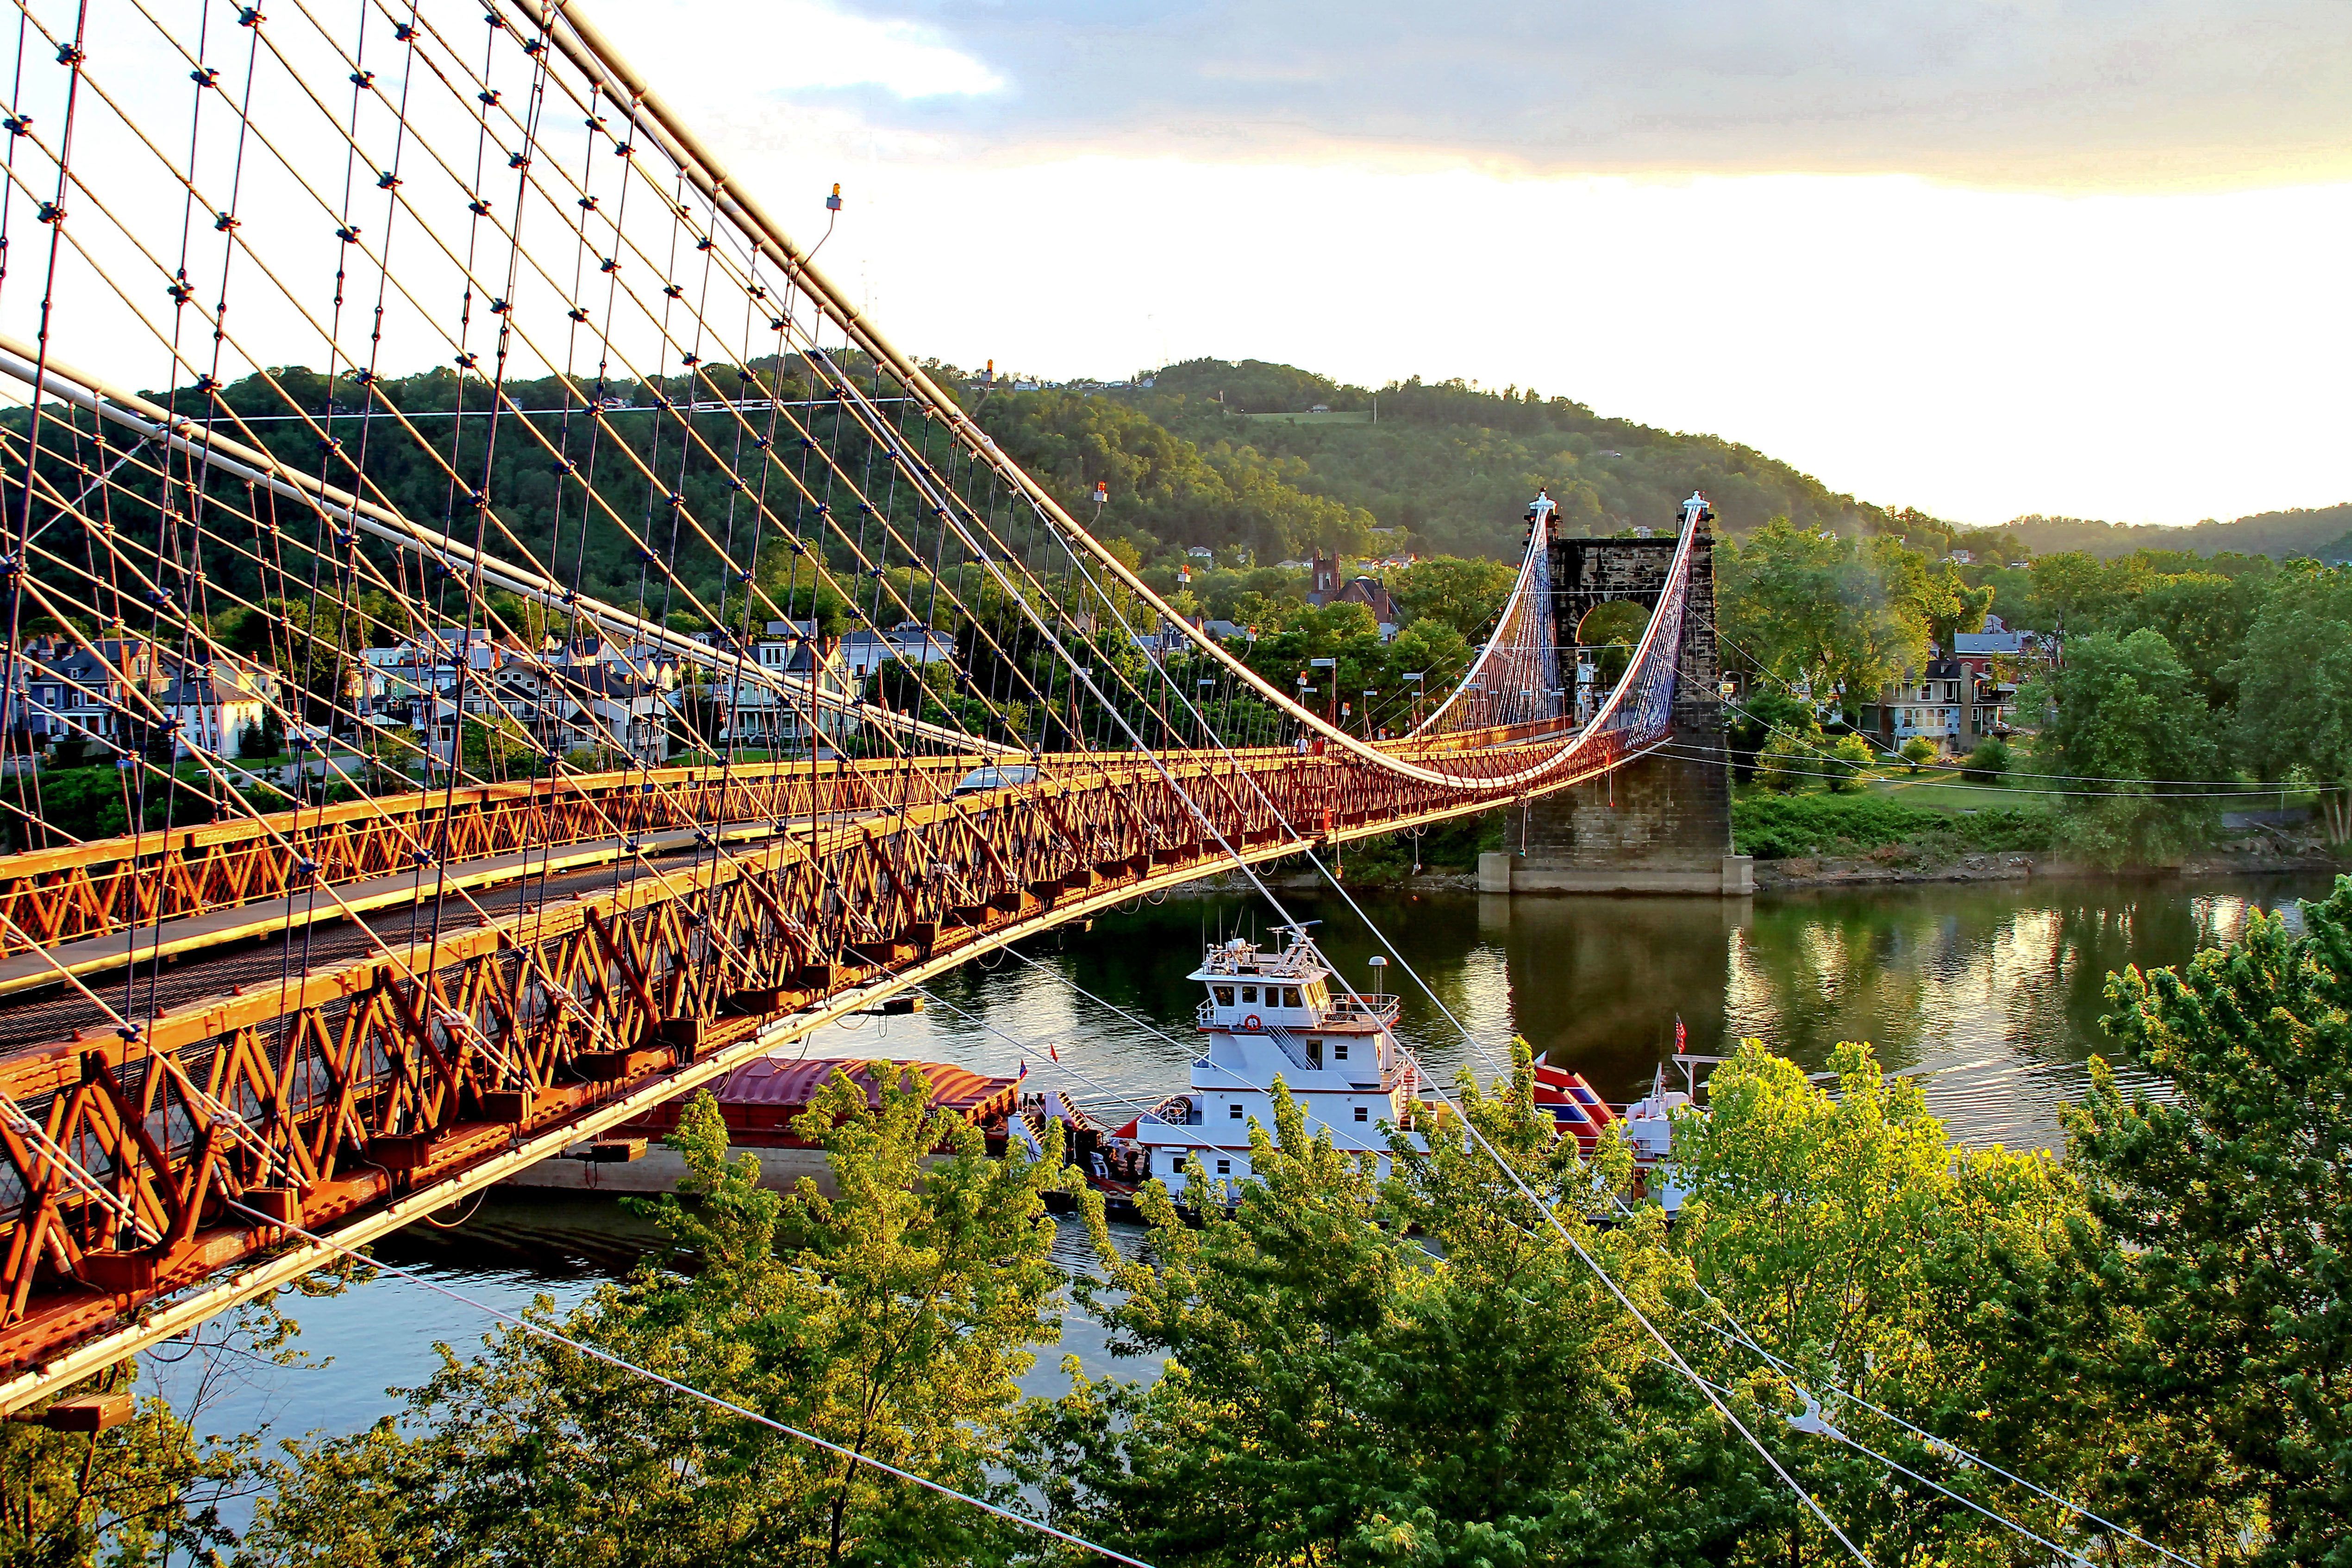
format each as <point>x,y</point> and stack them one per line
<point>403,1068</point>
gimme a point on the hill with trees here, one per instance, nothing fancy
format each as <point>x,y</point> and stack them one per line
<point>2322,531</point>
<point>1263,462</point>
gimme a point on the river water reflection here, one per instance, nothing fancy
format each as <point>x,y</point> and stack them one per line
<point>1938,977</point>
<point>1996,989</point>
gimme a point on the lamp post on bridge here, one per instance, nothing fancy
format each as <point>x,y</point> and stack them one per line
<point>1418,678</point>
<point>1331,695</point>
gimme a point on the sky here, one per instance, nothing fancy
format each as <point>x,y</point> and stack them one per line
<point>2079,257</point>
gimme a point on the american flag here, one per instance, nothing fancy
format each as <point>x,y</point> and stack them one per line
<point>1682,1036</point>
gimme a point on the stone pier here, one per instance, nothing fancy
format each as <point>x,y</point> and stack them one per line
<point>1661,825</point>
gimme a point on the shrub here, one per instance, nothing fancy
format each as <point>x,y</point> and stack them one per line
<point>1847,763</point>
<point>1787,763</point>
<point>1918,750</point>
<point>1988,762</point>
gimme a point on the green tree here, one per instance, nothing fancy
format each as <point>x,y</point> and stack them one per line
<point>1339,1392</point>
<point>152,1489</point>
<point>2294,686</point>
<point>1758,717</point>
<point>892,1319</point>
<point>1988,762</point>
<point>1841,1234</point>
<point>1843,616</point>
<point>2124,718</point>
<point>1463,594</point>
<point>1919,751</point>
<point>2228,1202</point>
<point>1789,762</point>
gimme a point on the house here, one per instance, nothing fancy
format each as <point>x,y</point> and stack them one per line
<point>125,691</point>
<point>209,706</point>
<point>1979,649</point>
<point>1954,705</point>
<point>909,641</point>
<point>1367,591</point>
<point>807,666</point>
<point>1205,555</point>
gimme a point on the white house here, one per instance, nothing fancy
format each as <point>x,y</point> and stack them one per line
<point>807,667</point>
<point>210,707</point>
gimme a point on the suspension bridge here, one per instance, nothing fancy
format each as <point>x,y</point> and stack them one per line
<point>554,859</point>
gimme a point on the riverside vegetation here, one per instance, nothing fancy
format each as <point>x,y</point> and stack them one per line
<point>1426,1369</point>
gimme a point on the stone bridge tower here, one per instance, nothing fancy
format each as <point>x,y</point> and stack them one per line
<point>1663,823</point>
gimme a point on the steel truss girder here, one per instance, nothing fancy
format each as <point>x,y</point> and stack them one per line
<point>374,1091</point>
<point>78,891</point>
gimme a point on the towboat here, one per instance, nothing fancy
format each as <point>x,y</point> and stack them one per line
<point>1282,1013</point>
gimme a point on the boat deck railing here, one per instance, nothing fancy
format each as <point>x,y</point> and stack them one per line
<point>1371,1008</point>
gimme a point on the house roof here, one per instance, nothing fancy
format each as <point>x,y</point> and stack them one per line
<point>1370,592</point>
<point>1979,643</point>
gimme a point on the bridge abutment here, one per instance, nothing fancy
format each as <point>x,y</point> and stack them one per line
<point>1661,824</point>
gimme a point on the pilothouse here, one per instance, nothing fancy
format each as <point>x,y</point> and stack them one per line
<point>1279,1014</point>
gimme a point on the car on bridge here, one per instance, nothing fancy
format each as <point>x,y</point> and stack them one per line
<point>998,777</point>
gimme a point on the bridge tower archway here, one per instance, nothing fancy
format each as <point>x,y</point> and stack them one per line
<point>1663,824</point>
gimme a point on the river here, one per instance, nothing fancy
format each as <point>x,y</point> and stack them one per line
<point>1994,991</point>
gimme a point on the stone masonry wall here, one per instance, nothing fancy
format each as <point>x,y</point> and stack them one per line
<point>1663,823</point>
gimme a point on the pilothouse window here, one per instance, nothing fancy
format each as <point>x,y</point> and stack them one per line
<point>1224,996</point>
<point>1290,996</point>
<point>1249,995</point>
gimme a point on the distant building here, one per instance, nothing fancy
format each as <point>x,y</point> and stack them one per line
<point>127,691</point>
<point>1956,702</point>
<point>866,652</point>
<point>816,683</point>
<point>1367,591</point>
<point>211,706</point>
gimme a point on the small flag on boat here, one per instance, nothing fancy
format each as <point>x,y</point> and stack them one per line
<point>1023,1072</point>
<point>1051,1052</point>
<point>1682,1036</point>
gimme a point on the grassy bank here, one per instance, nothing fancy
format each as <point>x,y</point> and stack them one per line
<point>1779,827</point>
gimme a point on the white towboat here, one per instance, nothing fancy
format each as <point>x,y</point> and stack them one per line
<point>1269,1015</point>
<point>1277,1014</point>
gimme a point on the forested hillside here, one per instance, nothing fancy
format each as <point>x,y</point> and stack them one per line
<point>2322,531</point>
<point>1228,455</point>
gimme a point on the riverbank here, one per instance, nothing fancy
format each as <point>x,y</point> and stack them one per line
<point>1884,868</point>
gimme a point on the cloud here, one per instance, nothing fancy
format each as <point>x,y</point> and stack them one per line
<point>712,55</point>
<point>2053,93</point>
